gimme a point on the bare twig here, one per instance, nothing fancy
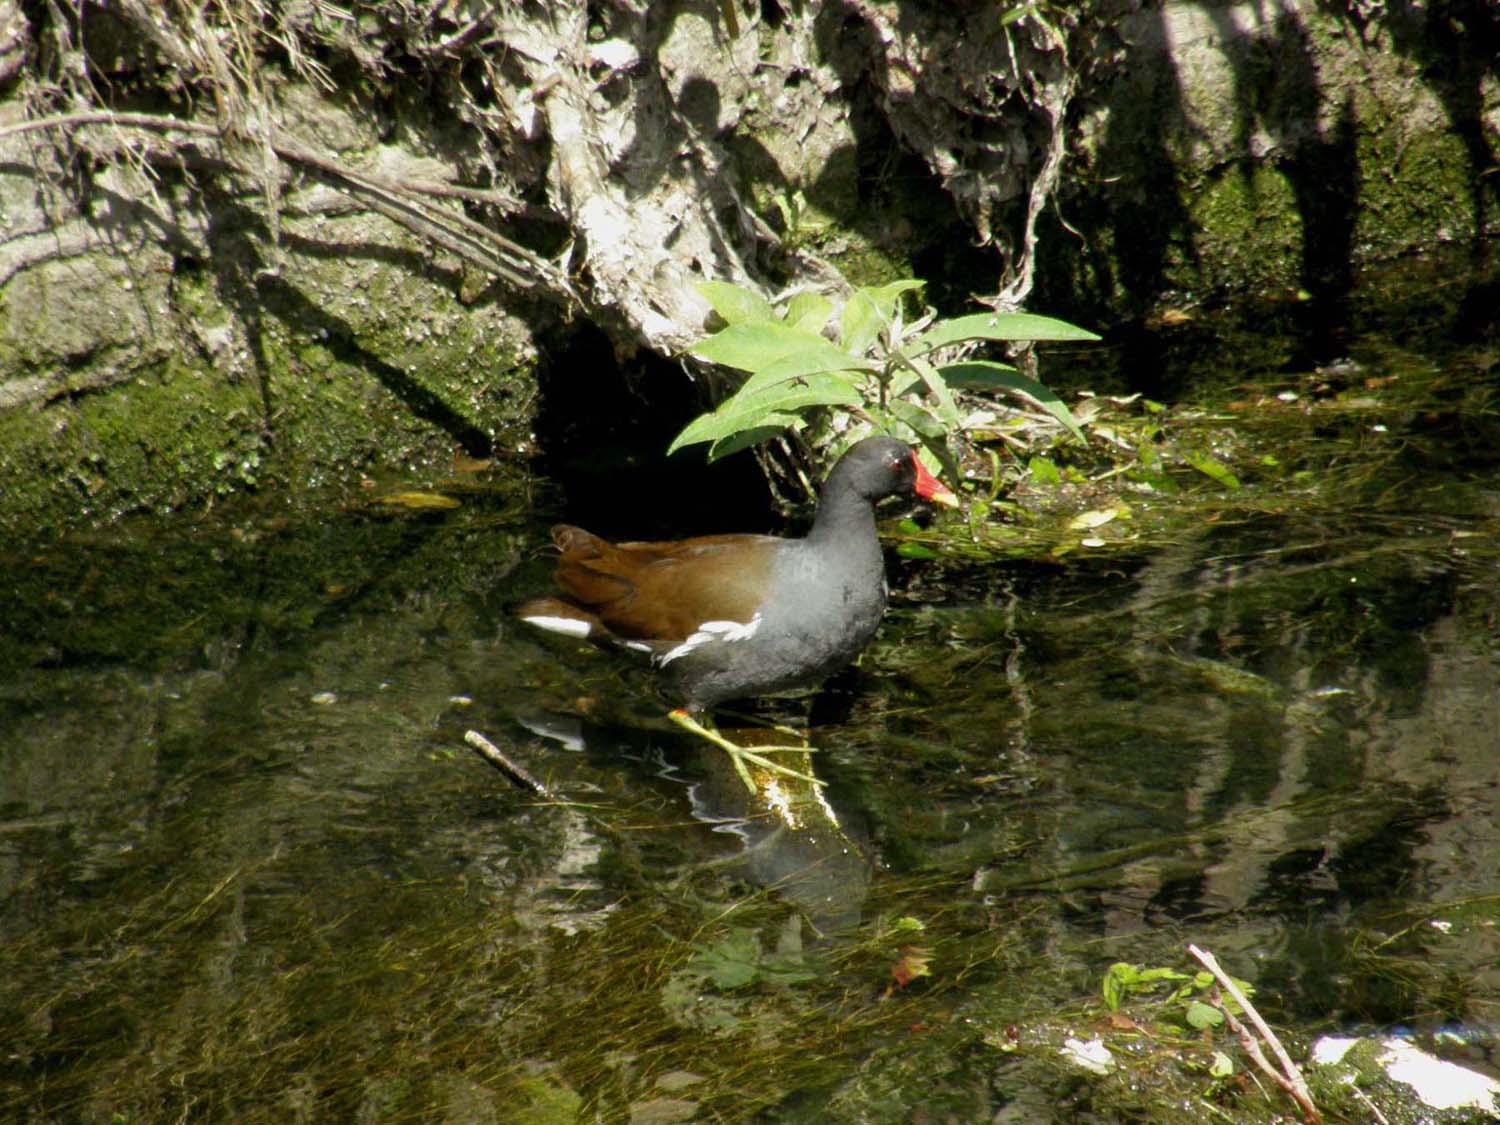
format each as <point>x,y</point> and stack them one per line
<point>1251,1046</point>
<point>1364,1100</point>
<point>1290,1078</point>
<point>517,773</point>
<point>400,201</point>
<point>152,121</point>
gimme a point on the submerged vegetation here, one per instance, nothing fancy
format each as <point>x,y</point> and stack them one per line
<point>275,886</point>
<point>1245,699</point>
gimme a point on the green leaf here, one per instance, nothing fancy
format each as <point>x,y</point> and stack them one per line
<point>753,347</point>
<point>735,304</point>
<point>981,374</point>
<point>689,1004</point>
<point>910,550</point>
<point>1151,976</point>
<point>786,970</point>
<point>1223,1065</point>
<point>743,412</point>
<point>1203,1016</point>
<point>1215,469</point>
<point>997,326</point>
<point>1117,981</point>
<point>833,363</point>
<point>919,418</point>
<point>947,408</point>
<point>547,1101</point>
<point>731,963</point>
<point>774,425</point>
<point>738,960</point>
<point>887,297</point>
<point>869,310</point>
<point>809,311</point>
<point>860,323</point>
<point>1043,471</point>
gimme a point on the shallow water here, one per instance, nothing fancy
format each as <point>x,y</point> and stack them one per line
<point>250,869</point>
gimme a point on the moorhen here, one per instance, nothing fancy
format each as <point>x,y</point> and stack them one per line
<point>729,616</point>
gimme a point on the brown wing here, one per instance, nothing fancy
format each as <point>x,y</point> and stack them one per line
<point>664,591</point>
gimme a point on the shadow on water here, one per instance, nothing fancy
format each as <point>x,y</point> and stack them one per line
<point>250,871</point>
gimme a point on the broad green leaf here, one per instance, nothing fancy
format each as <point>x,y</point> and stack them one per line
<point>730,963</point>
<point>1201,1015</point>
<point>833,363</point>
<point>752,347</point>
<point>1117,981</point>
<point>886,296</point>
<point>691,1005</point>
<point>870,309</point>
<point>947,408</point>
<point>1210,467</point>
<point>774,426</point>
<point>860,324</point>
<point>1151,976</point>
<point>738,960</point>
<point>1223,1065</point>
<point>809,311</point>
<point>903,384</point>
<point>981,374</point>
<point>997,326</point>
<point>743,412</point>
<point>735,304</point>
<point>919,418</point>
<point>815,390</point>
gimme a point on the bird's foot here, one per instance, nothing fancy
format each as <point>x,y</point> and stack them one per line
<point>740,755</point>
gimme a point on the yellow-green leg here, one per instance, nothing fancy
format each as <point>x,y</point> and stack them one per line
<point>739,755</point>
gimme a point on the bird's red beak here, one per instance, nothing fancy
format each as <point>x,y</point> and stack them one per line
<point>929,488</point>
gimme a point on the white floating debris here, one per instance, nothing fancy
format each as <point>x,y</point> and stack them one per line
<point>1092,541</point>
<point>1096,518</point>
<point>1093,1056</point>
<point>1331,1049</point>
<point>461,700</point>
<point>324,698</point>
<point>1288,396</point>
<point>1439,1084</point>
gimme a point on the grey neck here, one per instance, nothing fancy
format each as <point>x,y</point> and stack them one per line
<point>843,515</point>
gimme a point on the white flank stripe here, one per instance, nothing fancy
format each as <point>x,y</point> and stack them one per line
<point>567,626</point>
<point>713,631</point>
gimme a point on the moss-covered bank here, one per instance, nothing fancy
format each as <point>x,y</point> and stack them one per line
<point>161,347</point>
<point>1237,148</point>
